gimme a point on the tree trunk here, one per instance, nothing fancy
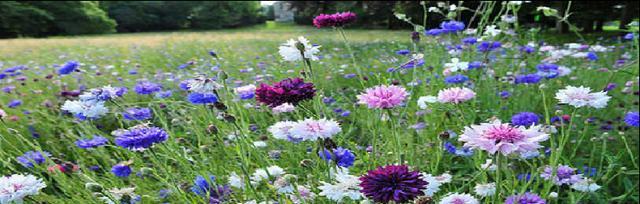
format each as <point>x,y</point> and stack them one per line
<point>599,25</point>
<point>626,16</point>
<point>560,26</point>
<point>587,26</point>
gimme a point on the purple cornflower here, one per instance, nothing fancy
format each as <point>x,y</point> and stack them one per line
<point>68,67</point>
<point>202,98</point>
<point>94,142</point>
<point>139,137</point>
<point>610,86</point>
<point>121,170</point>
<point>334,20</point>
<point>146,87</point>
<point>488,46</point>
<point>137,114</point>
<point>456,79</point>
<point>392,183</point>
<point>469,40</point>
<point>525,119</point>
<point>528,79</point>
<point>526,198</point>
<point>289,90</point>
<point>31,158</point>
<point>548,70</point>
<point>403,52</point>
<point>14,103</point>
<point>632,119</point>
<point>563,175</point>
<point>341,156</point>
<point>527,49</point>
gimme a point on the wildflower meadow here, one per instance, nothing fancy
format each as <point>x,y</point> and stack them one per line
<point>453,114</point>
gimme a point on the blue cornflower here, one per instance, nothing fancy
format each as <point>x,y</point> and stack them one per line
<point>469,40</point>
<point>184,85</point>
<point>94,142</point>
<point>527,49</point>
<point>133,72</point>
<point>451,26</point>
<point>610,86</point>
<point>14,103</point>
<point>137,114</point>
<point>632,119</point>
<point>343,157</point>
<point>475,65</point>
<point>3,75</point>
<point>433,32</point>
<point>592,56</point>
<point>452,149</point>
<point>217,194</point>
<point>14,69</point>
<point>345,113</point>
<point>528,79</point>
<point>213,53</point>
<point>525,119</point>
<point>328,100</point>
<point>146,87</point>
<point>403,52</point>
<point>68,67</point>
<point>488,46</point>
<point>28,158</point>
<point>629,36</point>
<point>140,137</point>
<point>202,98</point>
<point>588,171</point>
<point>548,70</point>
<point>413,64</point>
<point>456,79</point>
<point>164,94</point>
<point>349,76</point>
<point>121,170</point>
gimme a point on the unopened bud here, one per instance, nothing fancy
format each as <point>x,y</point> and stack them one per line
<point>93,187</point>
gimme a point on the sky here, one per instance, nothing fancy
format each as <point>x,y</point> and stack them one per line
<point>267,3</point>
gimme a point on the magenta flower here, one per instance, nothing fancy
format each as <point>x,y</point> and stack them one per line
<point>503,137</point>
<point>334,20</point>
<point>455,95</point>
<point>383,96</point>
<point>289,90</point>
<point>392,183</point>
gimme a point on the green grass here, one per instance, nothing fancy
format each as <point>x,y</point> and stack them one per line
<point>247,53</point>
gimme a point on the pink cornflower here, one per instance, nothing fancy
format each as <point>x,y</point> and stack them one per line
<point>455,95</point>
<point>383,96</point>
<point>503,137</point>
<point>334,20</point>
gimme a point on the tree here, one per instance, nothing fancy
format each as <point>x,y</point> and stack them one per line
<point>19,19</point>
<point>73,17</point>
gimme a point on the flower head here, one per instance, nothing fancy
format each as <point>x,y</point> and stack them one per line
<point>502,137</point>
<point>289,90</point>
<point>146,87</point>
<point>561,175</point>
<point>392,183</point>
<point>94,142</point>
<point>85,109</point>
<point>311,129</point>
<point>203,85</point>
<point>582,96</point>
<point>341,156</point>
<point>121,170</point>
<point>246,92</point>
<point>14,188</point>
<point>455,95</point>
<point>140,137</point>
<point>217,194</point>
<point>137,114</point>
<point>293,50</point>
<point>68,67</point>
<point>383,96</point>
<point>632,119</point>
<point>202,98</point>
<point>334,20</point>
<point>345,186</point>
<point>31,158</point>
<point>281,130</point>
<point>526,198</point>
<point>459,198</point>
<point>525,119</point>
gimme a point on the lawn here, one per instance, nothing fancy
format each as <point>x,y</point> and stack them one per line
<point>230,151</point>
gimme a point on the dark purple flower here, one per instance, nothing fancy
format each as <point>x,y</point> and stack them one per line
<point>94,142</point>
<point>392,183</point>
<point>610,86</point>
<point>334,20</point>
<point>525,119</point>
<point>289,90</point>
<point>526,198</point>
<point>137,114</point>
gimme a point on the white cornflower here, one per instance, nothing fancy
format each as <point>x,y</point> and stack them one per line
<point>203,85</point>
<point>283,185</point>
<point>485,190</point>
<point>456,65</point>
<point>262,174</point>
<point>290,50</point>
<point>310,129</point>
<point>236,181</point>
<point>259,144</point>
<point>598,48</point>
<point>14,188</point>
<point>89,109</point>
<point>282,130</point>
<point>434,9</point>
<point>119,193</point>
<point>491,31</point>
<point>423,100</point>
<point>585,185</point>
<point>283,108</point>
<point>345,186</point>
<point>582,96</point>
<point>459,198</point>
<point>488,165</point>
